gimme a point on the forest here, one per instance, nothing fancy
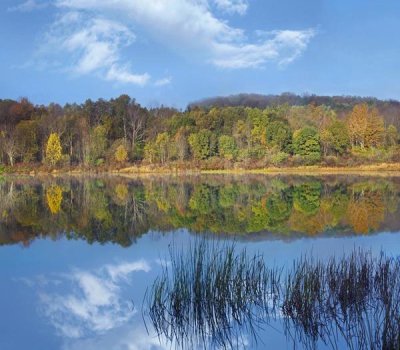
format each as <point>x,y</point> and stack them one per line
<point>243,131</point>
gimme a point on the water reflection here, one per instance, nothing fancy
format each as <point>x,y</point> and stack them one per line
<point>120,210</point>
<point>83,303</point>
<point>213,296</point>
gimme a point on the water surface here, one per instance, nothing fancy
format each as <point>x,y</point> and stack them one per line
<point>78,255</point>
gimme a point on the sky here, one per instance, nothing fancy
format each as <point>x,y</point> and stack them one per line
<point>173,52</point>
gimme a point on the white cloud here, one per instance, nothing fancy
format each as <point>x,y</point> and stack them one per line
<point>232,6</point>
<point>279,46</point>
<point>163,81</point>
<point>192,27</point>
<point>92,45</point>
<point>91,37</point>
<point>123,75</point>
<point>28,6</point>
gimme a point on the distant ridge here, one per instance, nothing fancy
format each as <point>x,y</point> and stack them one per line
<point>339,103</point>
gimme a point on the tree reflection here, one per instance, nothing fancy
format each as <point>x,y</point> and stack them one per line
<point>54,198</point>
<point>119,210</point>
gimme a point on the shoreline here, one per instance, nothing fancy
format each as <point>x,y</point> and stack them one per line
<point>384,169</point>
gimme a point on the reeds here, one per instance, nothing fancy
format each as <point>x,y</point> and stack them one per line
<point>213,295</point>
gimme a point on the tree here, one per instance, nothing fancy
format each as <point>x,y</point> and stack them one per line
<point>162,144</point>
<point>365,126</point>
<point>357,125</point>
<point>306,143</point>
<point>335,138</point>
<point>150,151</point>
<point>227,147</point>
<point>53,149</point>
<point>201,144</point>
<point>121,154</point>
<point>181,143</point>
<point>98,143</point>
<point>279,134</point>
<point>242,133</point>
<point>27,139</point>
<point>135,116</point>
<point>9,145</point>
<point>392,136</point>
<point>259,121</point>
<point>374,134</point>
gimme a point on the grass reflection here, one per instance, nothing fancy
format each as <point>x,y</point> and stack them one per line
<point>216,296</point>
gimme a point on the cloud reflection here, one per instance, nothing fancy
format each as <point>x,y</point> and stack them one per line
<point>87,303</point>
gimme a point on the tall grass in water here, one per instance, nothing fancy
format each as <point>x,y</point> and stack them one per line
<point>214,295</point>
<point>355,299</point>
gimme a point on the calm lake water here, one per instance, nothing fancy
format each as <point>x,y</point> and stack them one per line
<point>78,255</point>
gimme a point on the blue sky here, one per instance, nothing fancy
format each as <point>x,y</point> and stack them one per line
<point>175,51</point>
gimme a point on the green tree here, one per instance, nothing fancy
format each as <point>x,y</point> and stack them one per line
<point>391,136</point>
<point>335,138</point>
<point>150,152</point>
<point>306,144</point>
<point>53,149</point>
<point>181,144</point>
<point>98,143</point>
<point>227,147</point>
<point>162,145</point>
<point>278,134</point>
<point>202,144</point>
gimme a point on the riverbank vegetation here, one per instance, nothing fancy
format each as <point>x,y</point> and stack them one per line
<point>285,132</point>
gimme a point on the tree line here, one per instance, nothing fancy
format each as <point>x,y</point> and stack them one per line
<point>118,132</point>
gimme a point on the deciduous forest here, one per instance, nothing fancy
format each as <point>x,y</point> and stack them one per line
<point>243,131</point>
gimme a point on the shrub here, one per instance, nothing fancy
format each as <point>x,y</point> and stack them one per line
<point>279,158</point>
<point>331,160</point>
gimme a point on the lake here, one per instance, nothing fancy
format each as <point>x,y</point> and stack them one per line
<point>80,257</point>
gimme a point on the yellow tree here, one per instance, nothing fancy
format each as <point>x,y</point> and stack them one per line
<point>121,154</point>
<point>365,126</point>
<point>357,125</point>
<point>374,134</point>
<point>53,149</point>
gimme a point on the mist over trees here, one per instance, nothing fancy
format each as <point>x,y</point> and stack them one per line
<point>249,131</point>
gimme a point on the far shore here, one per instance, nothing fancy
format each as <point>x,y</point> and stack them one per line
<point>384,169</point>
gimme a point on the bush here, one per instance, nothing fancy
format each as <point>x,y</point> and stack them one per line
<point>279,158</point>
<point>331,160</point>
<point>311,159</point>
<point>99,162</point>
<point>2,169</point>
<point>371,155</point>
